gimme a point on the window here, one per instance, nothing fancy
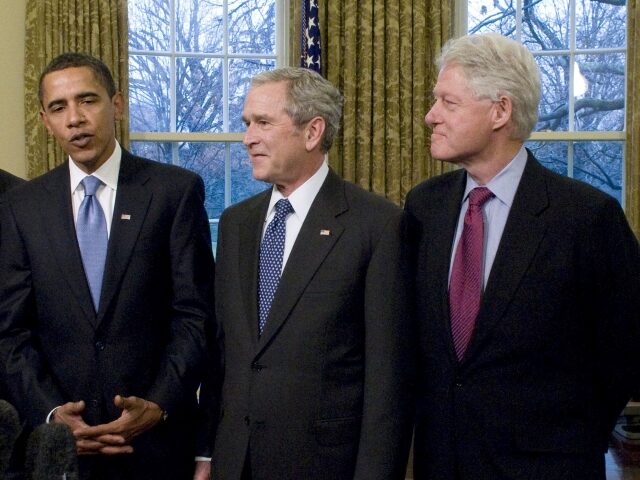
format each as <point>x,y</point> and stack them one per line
<point>580,47</point>
<point>190,64</point>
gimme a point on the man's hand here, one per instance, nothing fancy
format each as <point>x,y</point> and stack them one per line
<point>138,415</point>
<point>203,470</point>
<point>70,414</point>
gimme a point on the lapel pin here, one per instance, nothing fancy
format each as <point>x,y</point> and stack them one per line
<point>325,232</point>
<point>125,216</point>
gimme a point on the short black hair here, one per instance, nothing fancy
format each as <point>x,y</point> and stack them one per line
<point>74,60</point>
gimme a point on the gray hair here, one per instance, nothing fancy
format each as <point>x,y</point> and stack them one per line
<point>308,95</point>
<point>495,66</point>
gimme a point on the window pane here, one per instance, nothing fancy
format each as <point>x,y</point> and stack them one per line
<point>545,25</point>
<point>199,26</point>
<point>600,24</point>
<point>240,74</point>
<point>158,151</point>
<point>553,155</point>
<point>243,185</point>
<point>597,163</point>
<point>252,26</point>
<point>199,95</point>
<point>149,25</point>
<point>497,16</point>
<point>602,106</point>
<point>554,107</point>
<point>206,159</point>
<point>601,165</point>
<point>149,104</point>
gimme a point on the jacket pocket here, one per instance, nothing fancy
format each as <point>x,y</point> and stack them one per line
<point>337,431</point>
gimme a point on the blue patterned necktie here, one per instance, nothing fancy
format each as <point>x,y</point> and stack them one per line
<point>91,229</point>
<point>271,252</point>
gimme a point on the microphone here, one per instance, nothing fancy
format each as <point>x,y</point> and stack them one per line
<point>51,453</point>
<point>9,432</point>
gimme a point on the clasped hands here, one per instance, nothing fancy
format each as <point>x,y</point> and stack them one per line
<point>113,438</point>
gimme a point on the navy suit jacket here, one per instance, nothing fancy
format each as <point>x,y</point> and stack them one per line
<point>8,181</point>
<point>554,355</point>
<point>324,392</point>
<point>147,339</point>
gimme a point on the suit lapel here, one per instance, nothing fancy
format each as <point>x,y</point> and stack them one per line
<point>439,251</point>
<point>522,235</point>
<point>250,235</point>
<point>132,203</point>
<point>309,251</point>
<point>57,215</point>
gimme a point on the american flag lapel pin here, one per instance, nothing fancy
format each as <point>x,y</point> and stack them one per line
<point>125,216</point>
<point>325,233</point>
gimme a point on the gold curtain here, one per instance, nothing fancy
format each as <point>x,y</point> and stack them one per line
<point>632,155</point>
<point>380,54</point>
<point>57,26</point>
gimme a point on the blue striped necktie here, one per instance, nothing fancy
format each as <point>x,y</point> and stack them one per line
<point>91,230</point>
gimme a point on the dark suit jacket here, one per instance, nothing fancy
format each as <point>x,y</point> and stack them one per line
<point>554,354</point>
<point>323,393</point>
<point>8,181</point>
<point>147,339</point>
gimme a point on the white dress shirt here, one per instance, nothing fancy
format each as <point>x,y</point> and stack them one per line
<point>301,200</point>
<point>106,194</point>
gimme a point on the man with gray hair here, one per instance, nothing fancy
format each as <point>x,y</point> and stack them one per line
<point>311,299</point>
<point>529,288</point>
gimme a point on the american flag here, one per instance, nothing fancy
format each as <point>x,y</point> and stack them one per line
<point>310,51</point>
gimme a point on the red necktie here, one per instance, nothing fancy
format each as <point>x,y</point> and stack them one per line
<point>465,289</point>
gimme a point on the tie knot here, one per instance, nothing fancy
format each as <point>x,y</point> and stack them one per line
<point>283,208</point>
<point>478,196</point>
<point>91,184</point>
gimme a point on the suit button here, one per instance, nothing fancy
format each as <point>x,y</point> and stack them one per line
<point>100,345</point>
<point>95,403</point>
<point>247,420</point>
<point>256,366</point>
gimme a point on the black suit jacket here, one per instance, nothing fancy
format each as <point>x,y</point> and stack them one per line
<point>8,181</point>
<point>146,340</point>
<point>324,392</point>
<point>554,354</point>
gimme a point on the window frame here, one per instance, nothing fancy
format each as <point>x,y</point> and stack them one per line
<point>570,136</point>
<point>227,138</point>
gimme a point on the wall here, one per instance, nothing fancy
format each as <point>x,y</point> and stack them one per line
<point>11,86</point>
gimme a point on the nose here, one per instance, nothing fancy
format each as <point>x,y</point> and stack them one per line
<point>430,117</point>
<point>249,136</point>
<point>75,116</point>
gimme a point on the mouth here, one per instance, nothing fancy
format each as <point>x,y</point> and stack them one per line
<point>80,140</point>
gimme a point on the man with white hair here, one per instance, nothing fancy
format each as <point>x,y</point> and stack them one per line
<point>528,287</point>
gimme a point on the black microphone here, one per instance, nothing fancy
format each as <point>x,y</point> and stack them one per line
<point>9,432</point>
<point>51,453</point>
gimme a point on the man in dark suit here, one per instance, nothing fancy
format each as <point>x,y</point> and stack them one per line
<point>317,385</point>
<point>118,360</point>
<point>528,354</point>
<point>8,181</point>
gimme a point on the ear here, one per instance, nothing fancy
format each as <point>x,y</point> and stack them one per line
<point>313,133</point>
<point>45,120</point>
<point>502,111</point>
<point>118,105</point>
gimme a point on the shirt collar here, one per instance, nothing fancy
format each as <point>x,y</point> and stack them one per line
<point>107,172</point>
<point>303,196</point>
<point>505,184</point>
